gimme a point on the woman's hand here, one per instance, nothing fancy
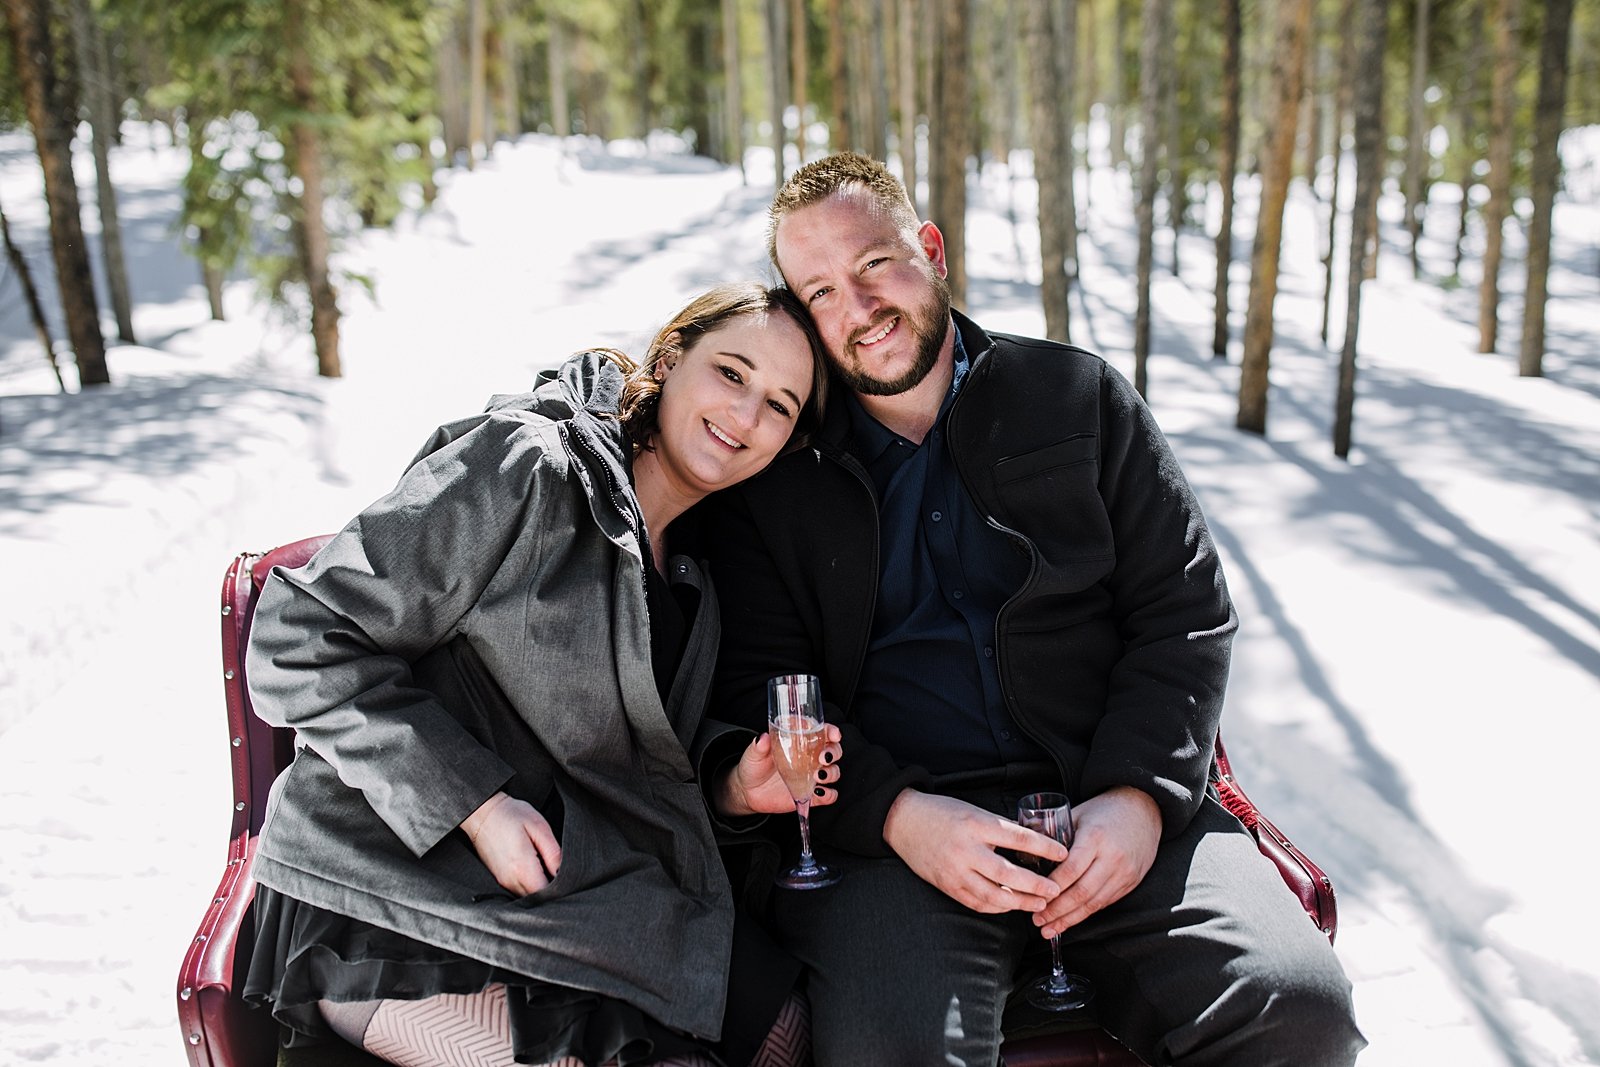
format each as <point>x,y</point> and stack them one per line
<point>754,786</point>
<point>515,842</point>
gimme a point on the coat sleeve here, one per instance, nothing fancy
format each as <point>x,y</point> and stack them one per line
<point>1173,613</point>
<point>772,624</point>
<point>332,643</point>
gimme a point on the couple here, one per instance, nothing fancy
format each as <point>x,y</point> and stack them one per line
<point>983,546</point>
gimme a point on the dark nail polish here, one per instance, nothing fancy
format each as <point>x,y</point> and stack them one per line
<point>827,757</point>
<point>821,791</point>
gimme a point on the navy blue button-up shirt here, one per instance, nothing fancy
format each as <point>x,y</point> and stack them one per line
<point>930,687</point>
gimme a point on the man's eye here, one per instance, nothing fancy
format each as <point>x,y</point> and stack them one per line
<point>818,295</point>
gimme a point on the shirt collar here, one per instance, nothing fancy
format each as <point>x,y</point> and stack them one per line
<point>872,437</point>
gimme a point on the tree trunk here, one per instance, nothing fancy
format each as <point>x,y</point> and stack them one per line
<point>1417,155</point>
<point>1313,102</point>
<point>452,111</point>
<point>1466,122</point>
<point>307,164</point>
<point>1153,68</point>
<point>1118,81</point>
<point>33,58</point>
<point>906,26</point>
<point>1341,108</point>
<point>1288,69</point>
<point>1046,134</point>
<point>30,296</point>
<point>1171,140</point>
<point>1227,168</point>
<point>477,79</point>
<point>510,111</point>
<point>875,77</point>
<point>798,70</point>
<point>1373,29</point>
<point>777,91</point>
<point>560,103</point>
<point>1548,114</point>
<point>732,90</point>
<point>94,72</point>
<point>1501,15</point>
<point>951,141</point>
<point>841,137</point>
<point>1066,47</point>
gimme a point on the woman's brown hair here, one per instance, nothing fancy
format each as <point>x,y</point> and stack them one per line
<point>641,392</point>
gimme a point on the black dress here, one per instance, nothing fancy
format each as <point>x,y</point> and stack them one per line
<point>303,954</point>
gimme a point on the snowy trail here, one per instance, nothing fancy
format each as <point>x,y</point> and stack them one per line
<point>1415,689</point>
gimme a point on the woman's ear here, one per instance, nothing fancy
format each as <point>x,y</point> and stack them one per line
<point>673,348</point>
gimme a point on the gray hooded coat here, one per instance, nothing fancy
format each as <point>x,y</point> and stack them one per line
<point>516,531</point>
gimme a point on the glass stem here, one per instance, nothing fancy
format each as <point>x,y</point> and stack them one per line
<point>807,863</point>
<point>1058,973</point>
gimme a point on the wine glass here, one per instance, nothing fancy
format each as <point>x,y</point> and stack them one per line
<point>794,719</point>
<point>1051,814</point>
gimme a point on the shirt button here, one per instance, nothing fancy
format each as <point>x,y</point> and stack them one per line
<point>1005,735</point>
<point>988,653</point>
<point>937,515</point>
<point>959,594</point>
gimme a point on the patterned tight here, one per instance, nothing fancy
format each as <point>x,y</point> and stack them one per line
<point>473,1030</point>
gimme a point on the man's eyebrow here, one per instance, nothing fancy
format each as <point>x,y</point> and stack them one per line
<point>887,244</point>
<point>749,363</point>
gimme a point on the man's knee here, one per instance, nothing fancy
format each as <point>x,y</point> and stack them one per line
<point>1304,1018</point>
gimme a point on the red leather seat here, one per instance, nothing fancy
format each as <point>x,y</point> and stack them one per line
<point>219,1030</point>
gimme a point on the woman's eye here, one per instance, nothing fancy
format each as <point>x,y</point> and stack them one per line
<point>779,408</point>
<point>731,374</point>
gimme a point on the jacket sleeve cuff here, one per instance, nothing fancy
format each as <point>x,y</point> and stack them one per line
<point>717,747</point>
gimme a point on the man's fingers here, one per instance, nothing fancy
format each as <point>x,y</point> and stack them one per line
<point>1019,838</point>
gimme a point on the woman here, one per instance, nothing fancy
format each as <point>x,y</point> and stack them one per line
<point>503,647</point>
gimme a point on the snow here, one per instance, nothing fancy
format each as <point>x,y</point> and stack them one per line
<point>1416,689</point>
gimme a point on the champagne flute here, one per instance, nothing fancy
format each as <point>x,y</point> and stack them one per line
<point>1051,814</point>
<point>794,719</point>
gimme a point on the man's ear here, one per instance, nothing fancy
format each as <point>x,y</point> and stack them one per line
<point>932,242</point>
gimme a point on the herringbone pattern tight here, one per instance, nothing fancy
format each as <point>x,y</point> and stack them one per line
<point>473,1030</point>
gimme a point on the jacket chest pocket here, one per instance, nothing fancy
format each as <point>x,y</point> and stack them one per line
<point>1052,497</point>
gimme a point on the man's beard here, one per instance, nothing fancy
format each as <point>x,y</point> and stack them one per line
<point>927,327</point>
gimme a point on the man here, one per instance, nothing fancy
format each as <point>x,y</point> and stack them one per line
<point>993,562</point>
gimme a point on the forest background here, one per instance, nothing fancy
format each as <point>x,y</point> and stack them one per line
<point>304,128</point>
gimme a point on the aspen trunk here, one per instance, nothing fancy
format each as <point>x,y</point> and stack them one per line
<point>1288,68</point>
<point>1501,15</point>
<point>307,164</point>
<point>777,51</point>
<point>1117,107</point>
<point>1373,30</point>
<point>1547,123</point>
<point>1066,46</point>
<point>33,57</point>
<point>1227,168</point>
<point>477,80</point>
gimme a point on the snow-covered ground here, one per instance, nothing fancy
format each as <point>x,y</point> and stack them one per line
<point>1416,689</point>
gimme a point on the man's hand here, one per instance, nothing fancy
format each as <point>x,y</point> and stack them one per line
<point>515,843</point>
<point>951,845</point>
<point>754,786</point>
<point>1114,843</point>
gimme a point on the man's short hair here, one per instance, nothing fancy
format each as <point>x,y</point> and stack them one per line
<point>820,179</point>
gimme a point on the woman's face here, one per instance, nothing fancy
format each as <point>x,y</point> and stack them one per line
<point>729,403</point>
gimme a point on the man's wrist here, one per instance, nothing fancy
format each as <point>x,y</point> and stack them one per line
<point>896,812</point>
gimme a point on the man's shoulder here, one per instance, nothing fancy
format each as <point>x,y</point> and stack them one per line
<point>1019,347</point>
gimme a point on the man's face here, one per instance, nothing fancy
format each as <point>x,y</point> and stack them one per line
<point>876,292</point>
